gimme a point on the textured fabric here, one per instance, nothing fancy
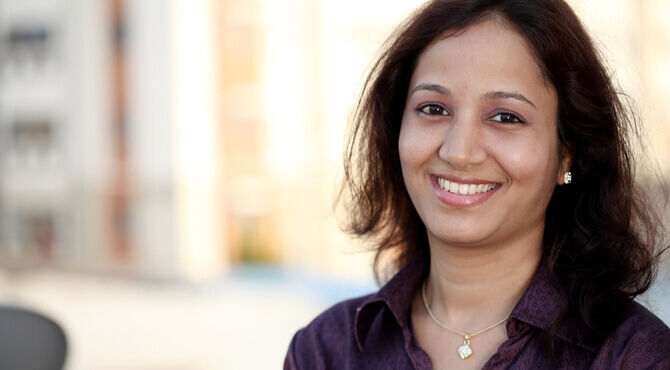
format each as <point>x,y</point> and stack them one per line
<point>374,332</point>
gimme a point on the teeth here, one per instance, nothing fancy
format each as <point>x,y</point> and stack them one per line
<point>464,189</point>
<point>451,187</point>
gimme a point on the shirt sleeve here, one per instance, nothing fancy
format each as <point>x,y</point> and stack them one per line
<point>305,353</point>
<point>648,349</point>
<point>291,361</point>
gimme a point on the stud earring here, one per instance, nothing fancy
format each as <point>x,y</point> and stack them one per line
<point>567,177</point>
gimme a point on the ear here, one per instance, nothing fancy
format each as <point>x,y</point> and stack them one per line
<point>566,163</point>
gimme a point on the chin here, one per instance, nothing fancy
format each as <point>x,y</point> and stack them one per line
<point>460,239</point>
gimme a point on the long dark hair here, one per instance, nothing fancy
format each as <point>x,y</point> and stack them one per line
<point>600,233</point>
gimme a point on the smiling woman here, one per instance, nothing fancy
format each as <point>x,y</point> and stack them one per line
<point>485,133</point>
<point>471,127</point>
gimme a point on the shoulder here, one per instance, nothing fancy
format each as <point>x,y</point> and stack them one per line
<point>329,335</point>
<point>641,341</point>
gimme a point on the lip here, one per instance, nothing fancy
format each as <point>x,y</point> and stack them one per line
<point>461,200</point>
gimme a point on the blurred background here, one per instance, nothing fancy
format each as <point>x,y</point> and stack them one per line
<point>168,167</point>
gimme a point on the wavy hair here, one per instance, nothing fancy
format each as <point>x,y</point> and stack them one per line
<point>601,232</point>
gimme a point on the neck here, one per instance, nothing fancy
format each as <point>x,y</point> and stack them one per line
<point>469,287</point>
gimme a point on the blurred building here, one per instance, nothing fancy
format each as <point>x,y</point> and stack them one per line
<point>108,147</point>
<point>173,138</point>
<point>54,122</point>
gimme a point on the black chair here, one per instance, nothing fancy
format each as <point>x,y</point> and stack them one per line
<point>30,341</point>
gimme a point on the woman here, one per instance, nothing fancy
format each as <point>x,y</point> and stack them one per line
<point>490,163</point>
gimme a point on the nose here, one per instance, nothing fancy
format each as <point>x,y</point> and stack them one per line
<point>463,145</point>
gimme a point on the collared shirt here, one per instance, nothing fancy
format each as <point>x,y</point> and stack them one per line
<point>375,332</point>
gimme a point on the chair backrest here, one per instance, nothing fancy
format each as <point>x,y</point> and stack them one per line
<point>30,341</point>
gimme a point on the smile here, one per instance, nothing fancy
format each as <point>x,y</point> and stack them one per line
<point>464,189</point>
<point>463,194</point>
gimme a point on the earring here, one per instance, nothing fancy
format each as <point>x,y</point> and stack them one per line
<point>567,177</point>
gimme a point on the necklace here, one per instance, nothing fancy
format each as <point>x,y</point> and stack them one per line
<point>464,351</point>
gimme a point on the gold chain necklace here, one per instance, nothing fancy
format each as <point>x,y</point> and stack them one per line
<point>464,351</point>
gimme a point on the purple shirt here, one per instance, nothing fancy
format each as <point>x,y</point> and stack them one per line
<point>375,332</point>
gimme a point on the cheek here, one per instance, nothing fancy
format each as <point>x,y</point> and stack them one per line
<point>416,146</point>
<point>413,152</point>
<point>531,160</point>
<point>407,145</point>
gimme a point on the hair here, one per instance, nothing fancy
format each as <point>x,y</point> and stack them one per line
<point>600,232</point>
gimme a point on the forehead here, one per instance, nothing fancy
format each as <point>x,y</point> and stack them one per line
<point>490,51</point>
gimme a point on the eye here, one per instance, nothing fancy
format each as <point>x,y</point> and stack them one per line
<point>433,110</point>
<point>506,118</point>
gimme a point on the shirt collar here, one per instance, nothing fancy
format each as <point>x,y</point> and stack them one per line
<point>396,295</point>
<point>538,306</point>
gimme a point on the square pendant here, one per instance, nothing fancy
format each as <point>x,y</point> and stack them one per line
<point>464,351</point>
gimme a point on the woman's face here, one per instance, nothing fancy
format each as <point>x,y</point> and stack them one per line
<point>478,142</point>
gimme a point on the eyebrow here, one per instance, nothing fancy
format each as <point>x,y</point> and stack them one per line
<point>431,87</point>
<point>489,96</point>
<point>508,95</point>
